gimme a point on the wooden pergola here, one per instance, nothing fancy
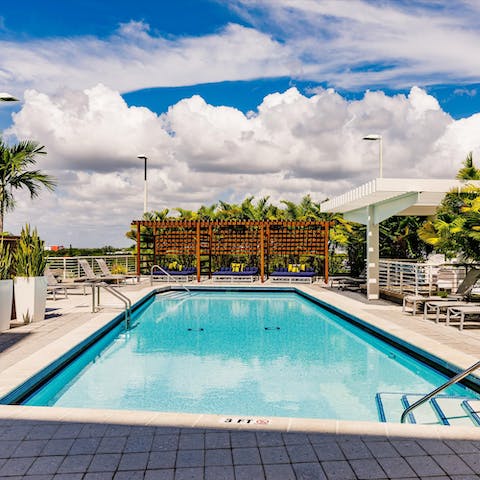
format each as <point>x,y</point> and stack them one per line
<point>198,238</point>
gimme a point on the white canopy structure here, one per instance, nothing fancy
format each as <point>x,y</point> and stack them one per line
<point>382,198</point>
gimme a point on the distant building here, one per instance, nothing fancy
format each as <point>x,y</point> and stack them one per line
<point>55,248</point>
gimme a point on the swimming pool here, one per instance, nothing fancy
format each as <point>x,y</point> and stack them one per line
<point>240,353</point>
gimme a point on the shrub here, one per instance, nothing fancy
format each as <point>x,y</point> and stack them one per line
<point>30,259</point>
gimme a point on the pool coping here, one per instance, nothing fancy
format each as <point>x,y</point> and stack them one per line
<point>29,369</point>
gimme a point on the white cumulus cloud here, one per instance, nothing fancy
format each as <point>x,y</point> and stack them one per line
<point>198,153</point>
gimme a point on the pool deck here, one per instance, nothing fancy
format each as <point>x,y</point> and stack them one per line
<point>59,443</point>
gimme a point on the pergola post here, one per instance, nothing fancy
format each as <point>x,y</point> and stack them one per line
<point>198,252</point>
<point>138,247</point>
<point>262,254</point>
<point>373,255</point>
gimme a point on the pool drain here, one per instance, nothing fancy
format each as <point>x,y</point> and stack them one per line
<point>272,328</point>
<point>195,329</point>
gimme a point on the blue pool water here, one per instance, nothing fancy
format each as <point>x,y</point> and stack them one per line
<point>243,353</point>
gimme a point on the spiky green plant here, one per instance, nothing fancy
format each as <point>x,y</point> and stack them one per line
<point>30,259</point>
<point>5,261</point>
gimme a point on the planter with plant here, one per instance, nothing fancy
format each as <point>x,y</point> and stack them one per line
<point>6,286</point>
<point>30,283</point>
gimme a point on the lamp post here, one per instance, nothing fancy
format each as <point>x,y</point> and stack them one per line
<point>145,187</point>
<point>6,97</point>
<point>376,137</point>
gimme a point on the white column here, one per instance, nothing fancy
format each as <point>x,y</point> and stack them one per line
<point>373,256</point>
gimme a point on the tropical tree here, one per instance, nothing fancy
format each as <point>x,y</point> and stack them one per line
<point>455,228</point>
<point>16,162</point>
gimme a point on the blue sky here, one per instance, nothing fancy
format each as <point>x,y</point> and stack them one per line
<point>257,97</point>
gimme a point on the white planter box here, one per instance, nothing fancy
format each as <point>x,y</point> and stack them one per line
<point>30,298</point>
<point>6,299</point>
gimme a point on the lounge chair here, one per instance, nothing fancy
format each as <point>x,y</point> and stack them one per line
<point>463,290</point>
<point>282,275</point>
<point>228,274</point>
<point>462,311</point>
<point>349,283</point>
<point>107,273</point>
<point>164,274</point>
<point>54,286</point>
<point>91,276</point>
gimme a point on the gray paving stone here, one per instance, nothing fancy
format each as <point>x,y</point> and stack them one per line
<point>219,456</point>
<point>29,448</point>
<point>98,476</point>
<point>69,430</point>
<point>84,445</point>
<point>217,440</point>
<point>75,463</point>
<point>309,471</point>
<point>58,446</point>
<point>408,448</point>
<point>159,474</point>
<point>118,431</point>
<point>472,460</point>
<point>321,438</point>
<point>275,455</point>
<point>354,449</point>
<point>367,469</point>
<point>190,458</point>
<point>16,466</point>
<point>165,442</point>
<point>396,467</point>
<point>7,447</point>
<point>295,438</point>
<point>249,472</point>
<point>36,477</point>
<point>217,472</point>
<point>14,432</point>
<point>424,465</point>
<point>433,447</point>
<point>68,476</point>
<point>42,432</point>
<point>243,439</point>
<point>328,451</point>
<point>161,460</point>
<point>191,441</point>
<point>189,474</point>
<point>138,443</point>
<point>104,462</point>
<point>301,453</point>
<point>269,439</point>
<point>279,472</point>
<point>453,465</point>
<point>133,461</point>
<point>246,456</point>
<point>382,449</point>
<point>130,475</point>
<point>92,430</point>
<point>338,470</point>
<point>45,465</point>
<point>462,446</point>
<point>112,445</point>
<point>141,430</point>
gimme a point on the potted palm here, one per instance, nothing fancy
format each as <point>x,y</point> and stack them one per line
<point>6,287</point>
<point>30,284</point>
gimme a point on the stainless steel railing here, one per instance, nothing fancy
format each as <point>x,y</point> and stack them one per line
<point>428,396</point>
<point>169,275</point>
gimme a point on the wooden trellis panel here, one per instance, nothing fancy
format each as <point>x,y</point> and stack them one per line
<point>208,238</point>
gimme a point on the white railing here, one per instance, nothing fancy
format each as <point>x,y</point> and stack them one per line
<point>69,267</point>
<point>411,277</point>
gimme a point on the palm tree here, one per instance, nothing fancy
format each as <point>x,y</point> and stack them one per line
<point>15,162</point>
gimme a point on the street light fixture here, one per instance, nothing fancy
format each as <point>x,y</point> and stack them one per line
<point>145,189</point>
<point>376,137</point>
<point>6,97</point>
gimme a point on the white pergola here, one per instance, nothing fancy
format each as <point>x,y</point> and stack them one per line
<point>382,198</point>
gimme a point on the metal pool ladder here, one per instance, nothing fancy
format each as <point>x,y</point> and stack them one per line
<point>158,267</point>
<point>123,298</point>
<point>428,396</point>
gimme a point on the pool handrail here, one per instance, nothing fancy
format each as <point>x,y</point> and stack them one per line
<point>126,301</point>
<point>169,275</point>
<point>428,396</point>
